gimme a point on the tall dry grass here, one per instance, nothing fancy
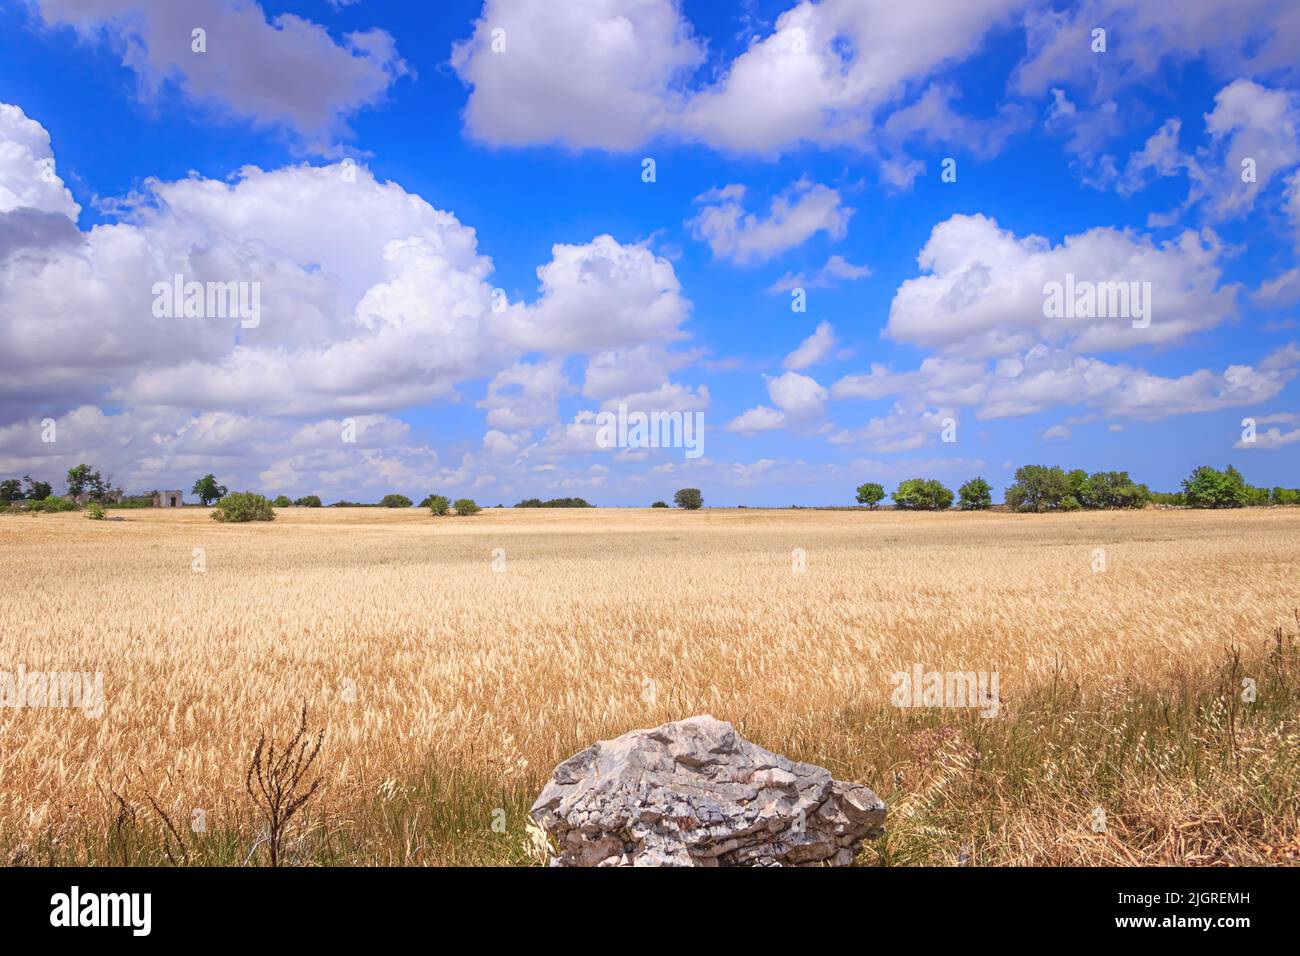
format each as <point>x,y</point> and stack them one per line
<point>447,690</point>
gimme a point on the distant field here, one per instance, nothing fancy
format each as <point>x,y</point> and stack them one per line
<point>448,690</point>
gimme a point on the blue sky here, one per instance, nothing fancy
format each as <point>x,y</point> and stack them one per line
<point>405,169</point>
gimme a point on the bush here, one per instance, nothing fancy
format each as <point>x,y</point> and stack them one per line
<point>53,503</point>
<point>689,498</point>
<point>975,495</point>
<point>1256,497</point>
<point>870,494</point>
<point>922,494</point>
<point>282,501</point>
<point>396,501</point>
<point>1284,496</point>
<point>1208,487</point>
<point>308,501</point>
<point>466,506</point>
<point>242,506</point>
<point>437,504</point>
<point>660,504</point>
<point>95,511</point>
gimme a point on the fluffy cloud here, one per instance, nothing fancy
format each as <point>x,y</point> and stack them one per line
<point>796,215</point>
<point>370,301</point>
<point>618,372</point>
<point>1281,290</point>
<point>836,270</point>
<point>985,291</point>
<point>143,448</point>
<point>1249,123</point>
<point>816,348</point>
<point>827,67</point>
<point>1044,378</point>
<point>1245,38</point>
<point>760,418</point>
<point>1269,438</point>
<point>612,74</point>
<point>801,401</point>
<point>932,119</point>
<point>596,73</point>
<point>601,295</point>
<point>287,72</point>
<point>526,394</point>
<point>27,176</point>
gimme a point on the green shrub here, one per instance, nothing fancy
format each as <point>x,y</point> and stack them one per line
<point>54,503</point>
<point>395,501</point>
<point>95,511</point>
<point>308,501</point>
<point>242,506</point>
<point>1284,496</point>
<point>438,504</point>
<point>922,494</point>
<point>466,506</point>
<point>660,504</point>
<point>283,501</point>
<point>1256,497</point>
<point>689,498</point>
<point>975,495</point>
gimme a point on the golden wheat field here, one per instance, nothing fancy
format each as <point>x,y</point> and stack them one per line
<point>452,662</point>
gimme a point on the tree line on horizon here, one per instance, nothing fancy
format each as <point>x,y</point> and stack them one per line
<point>1042,488</point>
<point>1036,488</point>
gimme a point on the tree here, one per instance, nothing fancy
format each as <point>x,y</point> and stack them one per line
<point>82,479</point>
<point>1080,488</point>
<point>1039,488</point>
<point>307,501</point>
<point>922,494</point>
<point>240,506</point>
<point>11,489</point>
<point>975,495</point>
<point>207,490</point>
<point>660,504</point>
<point>555,503</point>
<point>689,498</point>
<point>1114,489</point>
<point>466,506</point>
<point>38,490</point>
<point>395,501</point>
<point>1208,487</point>
<point>870,494</point>
<point>439,505</point>
<point>282,501</point>
<point>1278,496</point>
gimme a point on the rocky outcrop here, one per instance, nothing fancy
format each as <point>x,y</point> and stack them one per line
<point>696,793</point>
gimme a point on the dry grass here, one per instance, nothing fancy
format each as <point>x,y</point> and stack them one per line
<point>448,690</point>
